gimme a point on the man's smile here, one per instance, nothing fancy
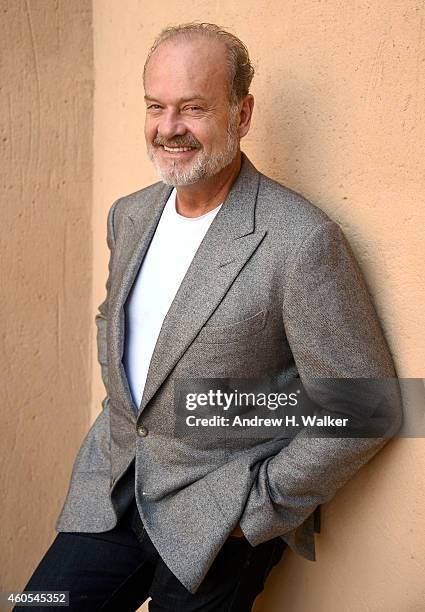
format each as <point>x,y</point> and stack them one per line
<point>177,149</point>
<point>181,151</point>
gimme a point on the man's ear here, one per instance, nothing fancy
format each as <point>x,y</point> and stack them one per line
<point>245,114</point>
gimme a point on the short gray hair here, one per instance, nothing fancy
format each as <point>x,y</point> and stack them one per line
<point>241,70</point>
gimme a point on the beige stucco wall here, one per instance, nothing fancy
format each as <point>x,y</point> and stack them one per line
<point>339,117</point>
<point>46,267</point>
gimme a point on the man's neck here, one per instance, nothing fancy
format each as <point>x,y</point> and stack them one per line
<point>199,198</point>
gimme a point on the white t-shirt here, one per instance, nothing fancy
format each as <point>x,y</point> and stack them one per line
<point>170,253</point>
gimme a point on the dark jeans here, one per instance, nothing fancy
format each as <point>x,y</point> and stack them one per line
<point>118,570</point>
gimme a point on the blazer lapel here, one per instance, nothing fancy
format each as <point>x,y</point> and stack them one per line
<point>138,232</point>
<point>228,244</point>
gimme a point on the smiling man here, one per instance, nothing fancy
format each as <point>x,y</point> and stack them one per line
<point>194,119</point>
<point>216,271</point>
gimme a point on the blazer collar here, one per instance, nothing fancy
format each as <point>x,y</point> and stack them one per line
<point>236,216</point>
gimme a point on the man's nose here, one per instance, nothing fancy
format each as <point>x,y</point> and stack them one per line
<point>171,125</point>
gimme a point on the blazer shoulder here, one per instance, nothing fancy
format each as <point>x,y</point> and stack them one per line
<point>288,204</point>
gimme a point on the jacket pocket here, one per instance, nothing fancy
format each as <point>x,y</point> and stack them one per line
<point>234,332</point>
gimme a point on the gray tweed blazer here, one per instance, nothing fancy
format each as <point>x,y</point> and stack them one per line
<point>273,289</point>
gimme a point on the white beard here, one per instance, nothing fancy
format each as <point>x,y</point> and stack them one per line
<point>204,166</point>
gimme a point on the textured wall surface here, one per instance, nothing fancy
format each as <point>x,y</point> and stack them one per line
<point>339,91</point>
<point>339,117</point>
<point>46,266</point>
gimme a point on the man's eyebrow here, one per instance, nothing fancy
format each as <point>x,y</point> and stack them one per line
<point>194,96</point>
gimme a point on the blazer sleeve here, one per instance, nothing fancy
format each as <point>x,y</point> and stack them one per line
<point>101,317</point>
<point>334,333</point>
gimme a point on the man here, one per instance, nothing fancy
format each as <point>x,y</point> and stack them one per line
<point>215,272</point>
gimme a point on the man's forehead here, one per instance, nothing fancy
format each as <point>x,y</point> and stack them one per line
<point>196,53</point>
<point>187,69</point>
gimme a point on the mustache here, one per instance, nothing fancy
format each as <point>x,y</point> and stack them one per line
<point>183,141</point>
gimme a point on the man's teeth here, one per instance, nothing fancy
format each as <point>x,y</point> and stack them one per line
<point>177,149</point>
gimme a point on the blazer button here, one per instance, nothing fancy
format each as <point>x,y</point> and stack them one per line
<point>142,431</point>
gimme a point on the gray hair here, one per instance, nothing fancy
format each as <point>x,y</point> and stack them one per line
<point>241,70</point>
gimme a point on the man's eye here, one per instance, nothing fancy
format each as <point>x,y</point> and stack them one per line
<point>193,108</point>
<point>154,106</point>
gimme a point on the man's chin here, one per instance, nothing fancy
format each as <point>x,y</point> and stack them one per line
<point>179,176</point>
<point>177,181</point>
<point>175,178</point>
